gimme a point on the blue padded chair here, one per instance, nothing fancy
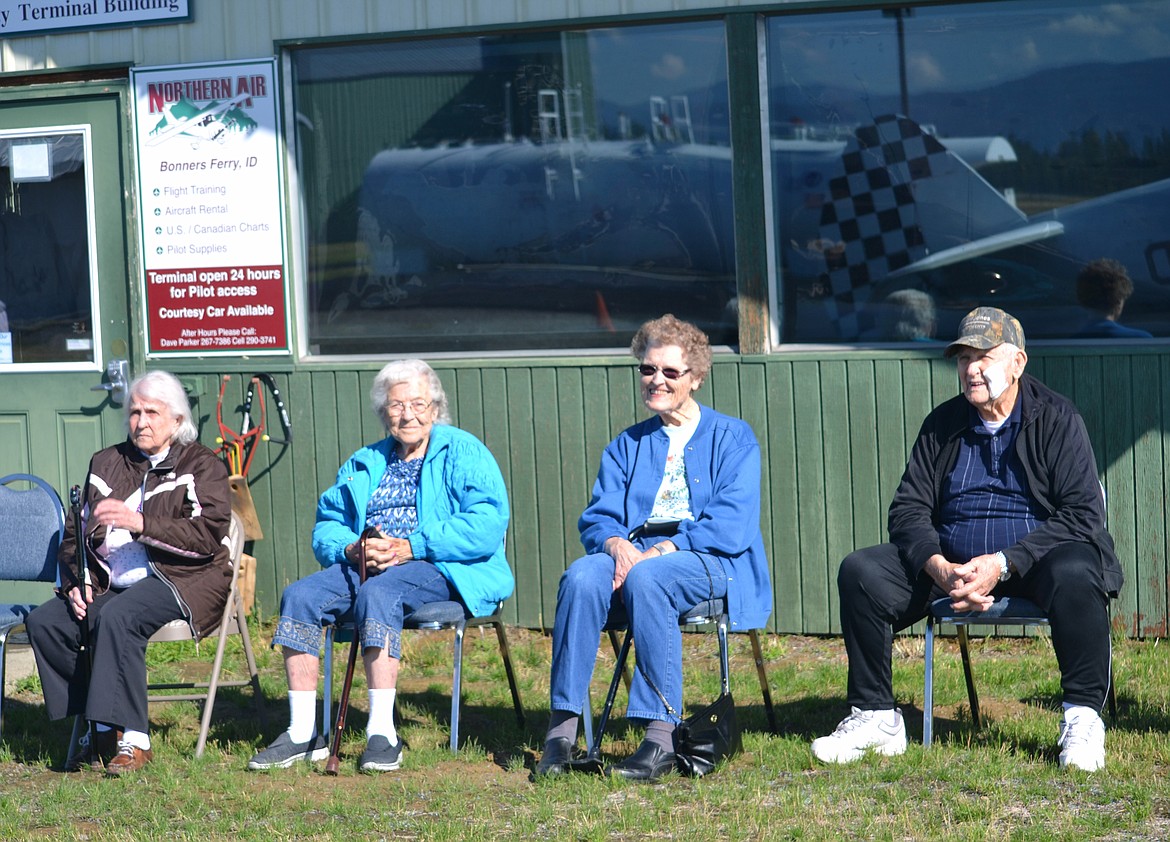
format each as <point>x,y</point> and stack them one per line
<point>706,613</point>
<point>31,523</point>
<point>1005,611</point>
<point>434,616</point>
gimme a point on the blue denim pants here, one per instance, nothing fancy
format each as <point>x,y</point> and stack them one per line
<point>655,593</point>
<point>377,607</point>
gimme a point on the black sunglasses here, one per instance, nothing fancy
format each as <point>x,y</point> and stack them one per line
<point>669,373</point>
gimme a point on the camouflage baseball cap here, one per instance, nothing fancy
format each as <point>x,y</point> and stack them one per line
<point>986,327</point>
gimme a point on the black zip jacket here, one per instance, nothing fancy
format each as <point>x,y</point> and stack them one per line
<point>1061,472</point>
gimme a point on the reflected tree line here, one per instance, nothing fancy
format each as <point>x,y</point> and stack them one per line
<point>1092,164</point>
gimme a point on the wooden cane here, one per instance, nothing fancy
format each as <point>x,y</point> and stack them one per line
<point>334,762</point>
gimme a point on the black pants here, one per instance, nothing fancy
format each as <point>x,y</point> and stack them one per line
<point>880,596</point>
<point>120,623</point>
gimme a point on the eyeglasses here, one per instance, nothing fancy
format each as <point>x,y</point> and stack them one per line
<point>669,373</point>
<point>418,407</point>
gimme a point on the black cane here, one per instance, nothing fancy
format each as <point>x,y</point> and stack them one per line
<point>334,762</point>
<point>81,570</point>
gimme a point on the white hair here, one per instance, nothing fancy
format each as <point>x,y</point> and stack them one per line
<point>164,387</point>
<point>407,371</point>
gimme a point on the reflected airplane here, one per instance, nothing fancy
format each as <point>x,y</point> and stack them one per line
<point>569,225</point>
<point>866,212</point>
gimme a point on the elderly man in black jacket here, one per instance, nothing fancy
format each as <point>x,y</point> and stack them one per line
<point>1000,498</point>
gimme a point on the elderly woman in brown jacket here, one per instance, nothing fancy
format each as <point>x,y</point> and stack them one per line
<point>155,515</point>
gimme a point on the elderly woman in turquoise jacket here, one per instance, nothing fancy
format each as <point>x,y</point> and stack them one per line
<point>674,520</point>
<point>436,496</point>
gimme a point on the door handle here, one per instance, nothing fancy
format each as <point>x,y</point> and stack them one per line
<point>117,380</point>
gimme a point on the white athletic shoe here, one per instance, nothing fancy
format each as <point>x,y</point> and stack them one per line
<point>1082,740</point>
<point>882,731</point>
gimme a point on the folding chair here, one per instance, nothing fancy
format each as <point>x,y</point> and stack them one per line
<point>31,524</point>
<point>434,616</point>
<point>708,612</point>
<point>1005,611</point>
<point>232,622</point>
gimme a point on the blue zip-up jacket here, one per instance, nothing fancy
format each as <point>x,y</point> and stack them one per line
<point>462,514</point>
<point>723,473</point>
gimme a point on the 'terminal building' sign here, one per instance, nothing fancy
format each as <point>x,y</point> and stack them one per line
<point>29,17</point>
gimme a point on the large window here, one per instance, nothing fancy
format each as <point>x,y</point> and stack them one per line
<point>928,160</point>
<point>516,192</point>
<point>46,245</point>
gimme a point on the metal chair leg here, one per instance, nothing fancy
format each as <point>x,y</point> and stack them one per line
<point>972,694</point>
<point>619,670</point>
<point>327,701</point>
<point>928,685</point>
<point>765,690</point>
<point>506,653</point>
<point>457,686</point>
<point>3,665</point>
<point>617,645</point>
<point>724,666</point>
<point>213,685</point>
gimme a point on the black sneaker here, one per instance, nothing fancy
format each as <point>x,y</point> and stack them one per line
<point>380,755</point>
<point>284,752</point>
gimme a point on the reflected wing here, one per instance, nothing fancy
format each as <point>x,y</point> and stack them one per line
<point>899,197</point>
<point>988,245</point>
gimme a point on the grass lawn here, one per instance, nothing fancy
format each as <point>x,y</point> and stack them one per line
<point>998,783</point>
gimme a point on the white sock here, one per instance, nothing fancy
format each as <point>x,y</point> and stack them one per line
<point>138,739</point>
<point>382,715</point>
<point>1075,712</point>
<point>302,715</point>
<point>888,716</point>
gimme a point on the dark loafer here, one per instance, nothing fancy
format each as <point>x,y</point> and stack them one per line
<point>555,761</point>
<point>649,763</point>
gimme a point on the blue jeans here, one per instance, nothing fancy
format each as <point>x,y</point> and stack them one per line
<point>377,607</point>
<point>656,591</point>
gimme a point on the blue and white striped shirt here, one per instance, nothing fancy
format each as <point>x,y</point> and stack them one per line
<point>986,506</point>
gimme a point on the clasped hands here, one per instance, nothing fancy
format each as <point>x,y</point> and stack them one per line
<point>381,552</point>
<point>626,554</point>
<point>969,585</point>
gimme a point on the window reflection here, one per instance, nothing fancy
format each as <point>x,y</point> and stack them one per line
<point>516,192</point>
<point>985,154</point>
<point>45,307</point>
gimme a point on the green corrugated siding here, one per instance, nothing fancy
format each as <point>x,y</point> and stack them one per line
<point>835,433</point>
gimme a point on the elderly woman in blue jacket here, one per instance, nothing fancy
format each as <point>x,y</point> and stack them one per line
<point>674,520</point>
<point>436,496</point>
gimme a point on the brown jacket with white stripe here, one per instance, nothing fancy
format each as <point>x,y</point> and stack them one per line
<point>186,510</point>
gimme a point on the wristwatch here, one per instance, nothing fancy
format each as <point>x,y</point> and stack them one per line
<point>1005,572</point>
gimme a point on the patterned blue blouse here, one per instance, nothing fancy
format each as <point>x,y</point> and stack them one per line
<point>392,506</point>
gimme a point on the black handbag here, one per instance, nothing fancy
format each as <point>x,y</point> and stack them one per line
<point>708,737</point>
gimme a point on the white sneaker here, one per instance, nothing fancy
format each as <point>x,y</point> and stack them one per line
<point>882,731</point>
<point>1082,740</point>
